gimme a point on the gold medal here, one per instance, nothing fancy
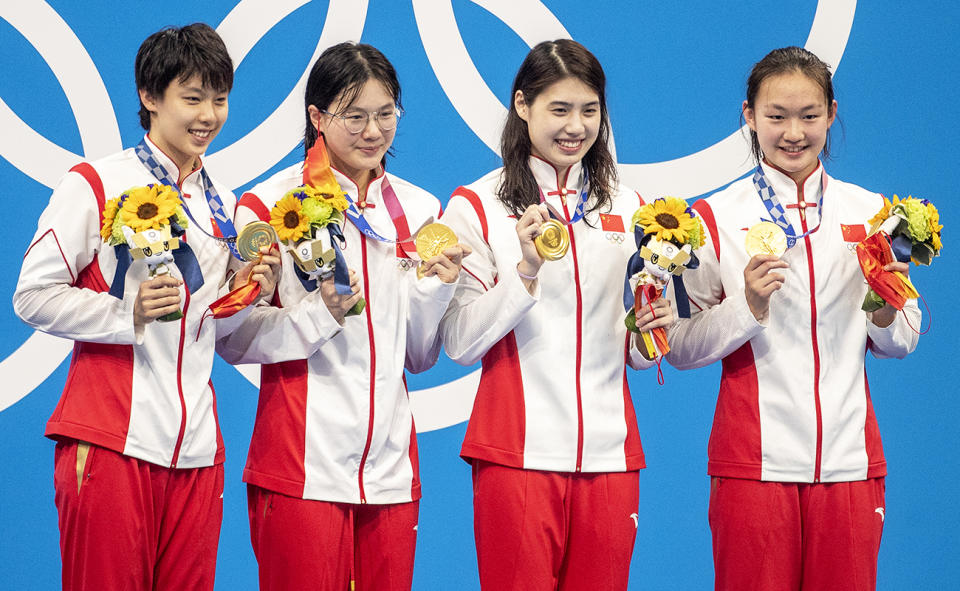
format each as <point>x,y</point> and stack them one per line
<point>766,238</point>
<point>431,241</point>
<point>253,237</point>
<point>553,241</point>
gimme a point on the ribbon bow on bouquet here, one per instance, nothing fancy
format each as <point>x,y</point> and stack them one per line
<point>666,232</point>
<point>902,230</point>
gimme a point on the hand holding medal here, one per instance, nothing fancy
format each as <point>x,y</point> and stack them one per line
<point>437,240</point>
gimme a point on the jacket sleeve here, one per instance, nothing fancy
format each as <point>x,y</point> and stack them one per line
<point>429,299</point>
<point>67,242</point>
<point>488,302</point>
<point>900,338</point>
<point>268,334</point>
<point>719,322</point>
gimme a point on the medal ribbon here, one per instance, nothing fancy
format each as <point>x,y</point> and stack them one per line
<point>229,238</point>
<point>578,211</point>
<point>775,209</point>
<point>397,216</point>
<point>238,298</point>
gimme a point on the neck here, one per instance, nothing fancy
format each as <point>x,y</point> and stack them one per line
<point>799,177</point>
<point>185,163</point>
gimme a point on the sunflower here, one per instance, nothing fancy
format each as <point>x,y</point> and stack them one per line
<point>331,193</point>
<point>288,219</point>
<point>666,217</point>
<point>149,207</point>
<point>109,214</point>
<point>882,215</point>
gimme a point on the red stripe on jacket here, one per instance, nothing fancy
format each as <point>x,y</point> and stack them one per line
<point>734,449</point>
<point>280,430</point>
<point>87,398</point>
<point>497,428</point>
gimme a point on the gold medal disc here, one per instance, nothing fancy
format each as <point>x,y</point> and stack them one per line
<point>253,237</point>
<point>766,238</point>
<point>553,241</point>
<point>433,239</point>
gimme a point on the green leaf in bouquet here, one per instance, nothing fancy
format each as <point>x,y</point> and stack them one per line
<point>631,321</point>
<point>872,302</point>
<point>921,253</point>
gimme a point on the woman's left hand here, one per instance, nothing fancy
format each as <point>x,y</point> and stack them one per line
<point>266,272</point>
<point>660,317</point>
<point>885,316</point>
<point>447,265</point>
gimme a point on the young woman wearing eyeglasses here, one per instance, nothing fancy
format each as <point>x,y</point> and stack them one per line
<point>332,475</point>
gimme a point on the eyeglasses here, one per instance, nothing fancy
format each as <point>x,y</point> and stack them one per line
<point>355,121</point>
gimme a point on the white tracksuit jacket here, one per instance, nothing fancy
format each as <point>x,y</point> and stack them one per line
<point>794,404</point>
<point>553,393</point>
<point>335,425</point>
<point>147,396</point>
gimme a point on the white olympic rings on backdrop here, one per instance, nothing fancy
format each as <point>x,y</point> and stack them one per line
<point>44,161</point>
<point>272,139</point>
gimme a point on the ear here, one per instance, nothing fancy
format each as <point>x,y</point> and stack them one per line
<point>149,101</point>
<point>832,114</point>
<point>315,118</point>
<point>520,104</point>
<point>749,116</point>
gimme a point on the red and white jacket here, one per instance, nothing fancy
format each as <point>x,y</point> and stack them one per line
<point>794,403</point>
<point>145,395</point>
<point>553,392</point>
<point>336,425</point>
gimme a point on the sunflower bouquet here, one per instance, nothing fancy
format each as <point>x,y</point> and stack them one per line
<point>903,230</point>
<point>309,220</point>
<point>149,221</point>
<point>666,232</point>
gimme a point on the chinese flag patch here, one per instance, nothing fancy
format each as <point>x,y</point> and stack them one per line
<point>611,223</point>
<point>853,233</point>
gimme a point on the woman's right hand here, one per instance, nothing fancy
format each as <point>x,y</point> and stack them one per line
<point>155,298</point>
<point>760,282</point>
<point>528,228</point>
<point>337,304</point>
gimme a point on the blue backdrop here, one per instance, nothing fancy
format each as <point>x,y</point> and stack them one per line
<point>676,75</point>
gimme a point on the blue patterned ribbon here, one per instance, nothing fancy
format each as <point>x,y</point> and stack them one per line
<point>777,213</point>
<point>229,238</point>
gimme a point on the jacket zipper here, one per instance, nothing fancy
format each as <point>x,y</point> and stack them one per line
<point>576,283</point>
<point>183,402</point>
<point>373,367</point>
<point>813,333</point>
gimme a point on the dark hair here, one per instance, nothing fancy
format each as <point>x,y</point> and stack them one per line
<point>784,61</point>
<point>341,71</point>
<point>549,62</point>
<point>181,53</point>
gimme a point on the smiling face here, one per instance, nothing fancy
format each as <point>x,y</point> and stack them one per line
<point>185,120</point>
<point>791,117</point>
<point>563,121</point>
<point>357,155</point>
